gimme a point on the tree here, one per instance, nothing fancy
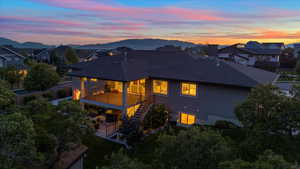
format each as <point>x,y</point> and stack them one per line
<point>298,68</point>
<point>71,56</point>
<point>12,75</point>
<point>7,97</point>
<point>41,77</point>
<point>131,130</point>
<point>67,126</point>
<point>54,58</point>
<point>267,110</point>
<point>268,160</point>
<point>17,144</point>
<point>192,149</point>
<point>120,160</point>
<point>39,110</point>
<point>270,120</point>
<point>156,117</point>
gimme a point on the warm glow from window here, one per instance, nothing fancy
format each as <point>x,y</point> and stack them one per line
<point>23,73</point>
<point>84,78</point>
<point>114,86</point>
<point>189,89</point>
<point>131,110</point>
<point>76,94</point>
<point>93,80</point>
<point>160,87</point>
<point>137,87</point>
<point>187,119</point>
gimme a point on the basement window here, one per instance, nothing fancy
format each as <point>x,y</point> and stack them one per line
<point>187,119</point>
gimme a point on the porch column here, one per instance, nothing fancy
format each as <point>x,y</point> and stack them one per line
<point>124,98</point>
<point>82,87</point>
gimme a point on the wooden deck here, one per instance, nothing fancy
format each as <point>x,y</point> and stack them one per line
<point>114,98</point>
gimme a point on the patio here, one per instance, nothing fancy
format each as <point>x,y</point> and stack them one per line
<point>108,129</point>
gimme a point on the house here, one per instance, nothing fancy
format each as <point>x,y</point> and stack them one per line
<point>199,91</point>
<point>85,54</point>
<point>251,54</point>
<point>72,159</point>
<point>279,46</point>
<point>9,57</point>
<point>297,50</point>
<point>43,55</point>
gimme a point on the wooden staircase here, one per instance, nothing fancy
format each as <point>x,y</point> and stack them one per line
<point>142,111</point>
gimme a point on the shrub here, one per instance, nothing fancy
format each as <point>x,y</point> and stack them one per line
<point>193,148</point>
<point>223,124</point>
<point>131,130</point>
<point>156,117</point>
<point>49,95</point>
<point>62,93</point>
<point>29,98</point>
<point>41,77</point>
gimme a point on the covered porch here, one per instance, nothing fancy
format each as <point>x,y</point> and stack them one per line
<point>110,94</point>
<point>115,98</point>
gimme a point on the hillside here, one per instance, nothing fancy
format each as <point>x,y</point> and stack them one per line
<point>35,45</point>
<point>142,44</point>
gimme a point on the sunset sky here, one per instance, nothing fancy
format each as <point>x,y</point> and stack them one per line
<point>100,21</point>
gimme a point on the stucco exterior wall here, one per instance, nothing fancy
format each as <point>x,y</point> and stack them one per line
<point>213,102</point>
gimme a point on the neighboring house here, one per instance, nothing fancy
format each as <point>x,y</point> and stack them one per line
<point>279,46</point>
<point>73,159</point>
<point>296,50</point>
<point>199,91</point>
<point>9,57</point>
<point>250,54</point>
<point>85,54</point>
<point>43,55</point>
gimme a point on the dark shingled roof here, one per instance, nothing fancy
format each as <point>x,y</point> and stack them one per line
<point>175,65</point>
<point>254,50</point>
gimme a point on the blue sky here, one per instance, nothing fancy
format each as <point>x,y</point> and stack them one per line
<point>198,21</point>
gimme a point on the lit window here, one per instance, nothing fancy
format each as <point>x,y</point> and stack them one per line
<point>84,78</point>
<point>187,119</point>
<point>189,89</point>
<point>160,87</point>
<point>114,86</point>
<point>93,80</point>
<point>76,94</point>
<point>131,110</point>
<point>137,87</point>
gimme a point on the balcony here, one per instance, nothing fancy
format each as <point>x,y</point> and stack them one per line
<point>114,98</point>
<point>110,94</point>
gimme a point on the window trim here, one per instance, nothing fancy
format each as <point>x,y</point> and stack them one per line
<point>160,94</point>
<point>187,95</point>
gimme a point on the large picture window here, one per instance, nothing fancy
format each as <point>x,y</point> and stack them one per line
<point>187,119</point>
<point>160,87</point>
<point>189,89</point>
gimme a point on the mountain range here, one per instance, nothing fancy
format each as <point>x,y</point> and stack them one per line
<point>142,44</point>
